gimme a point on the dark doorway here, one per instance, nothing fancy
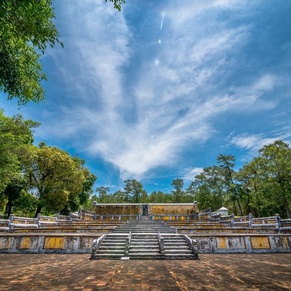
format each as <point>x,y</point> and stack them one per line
<point>145,210</point>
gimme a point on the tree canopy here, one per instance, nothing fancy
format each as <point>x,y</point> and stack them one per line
<point>44,176</point>
<point>26,28</point>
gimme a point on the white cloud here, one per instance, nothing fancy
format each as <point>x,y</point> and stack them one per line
<point>254,142</point>
<point>191,173</point>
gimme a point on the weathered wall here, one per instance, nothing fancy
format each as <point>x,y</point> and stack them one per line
<point>171,209</point>
<point>236,243</point>
<point>82,243</point>
<point>47,243</point>
<point>153,209</point>
<point>117,209</point>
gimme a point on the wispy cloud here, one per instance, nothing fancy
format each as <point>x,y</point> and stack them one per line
<point>191,173</point>
<point>254,142</point>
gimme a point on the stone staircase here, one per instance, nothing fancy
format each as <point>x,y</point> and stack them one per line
<point>144,225</point>
<point>144,239</point>
<point>112,246</point>
<point>144,246</point>
<point>177,247</point>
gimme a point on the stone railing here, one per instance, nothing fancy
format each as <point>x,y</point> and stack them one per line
<point>17,221</point>
<point>161,244</point>
<point>192,243</point>
<point>127,243</point>
<point>205,214</point>
<point>271,221</point>
<point>5,224</point>
<point>96,243</point>
<point>87,215</point>
<point>43,220</point>
<point>285,225</point>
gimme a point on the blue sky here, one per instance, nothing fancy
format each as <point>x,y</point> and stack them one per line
<point>159,90</point>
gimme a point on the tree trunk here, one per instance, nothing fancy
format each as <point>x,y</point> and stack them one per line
<point>8,209</point>
<point>288,211</point>
<point>234,207</point>
<point>239,207</point>
<point>38,210</point>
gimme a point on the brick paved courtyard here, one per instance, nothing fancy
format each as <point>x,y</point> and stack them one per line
<point>212,272</point>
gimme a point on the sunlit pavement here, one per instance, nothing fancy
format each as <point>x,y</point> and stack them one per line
<point>211,272</point>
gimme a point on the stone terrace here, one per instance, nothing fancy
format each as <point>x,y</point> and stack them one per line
<point>212,272</point>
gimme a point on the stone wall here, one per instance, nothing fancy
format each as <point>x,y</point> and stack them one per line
<point>82,243</point>
<point>164,209</point>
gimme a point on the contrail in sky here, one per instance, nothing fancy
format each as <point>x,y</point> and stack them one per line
<point>162,20</point>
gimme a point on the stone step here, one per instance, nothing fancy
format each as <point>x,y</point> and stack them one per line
<point>144,242</point>
<point>148,239</point>
<point>143,250</point>
<point>144,253</point>
<point>177,251</point>
<point>111,247</point>
<point>174,242</point>
<point>101,251</point>
<point>178,248</point>
<point>114,242</point>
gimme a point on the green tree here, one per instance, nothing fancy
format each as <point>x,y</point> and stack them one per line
<point>25,204</point>
<point>12,193</point>
<point>26,28</point>
<point>231,188</point>
<point>159,197</point>
<point>208,188</point>
<point>178,192</point>
<point>277,166</point>
<point>75,201</point>
<point>250,177</point>
<point>133,190</point>
<point>267,180</point>
<point>15,135</point>
<point>118,197</point>
<point>103,195</point>
<point>53,176</point>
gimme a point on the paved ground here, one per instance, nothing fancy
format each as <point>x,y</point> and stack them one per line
<point>212,272</point>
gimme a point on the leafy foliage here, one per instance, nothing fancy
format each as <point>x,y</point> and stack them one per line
<point>15,135</point>
<point>26,28</point>
<point>53,176</point>
<point>117,3</point>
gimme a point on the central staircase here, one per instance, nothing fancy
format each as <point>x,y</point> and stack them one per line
<point>144,239</point>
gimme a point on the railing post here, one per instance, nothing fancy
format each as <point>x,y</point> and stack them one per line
<point>251,220</point>
<point>193,245</point>
<point>96,244</point>
<point>195,248</point>
<point>232,220</point>
<point>161,244</point>
<point>127,243</point>
<point>278,221</point>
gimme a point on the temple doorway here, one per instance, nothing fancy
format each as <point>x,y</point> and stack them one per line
<point>145,210</point>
